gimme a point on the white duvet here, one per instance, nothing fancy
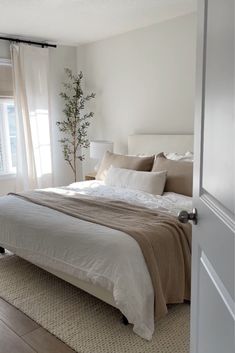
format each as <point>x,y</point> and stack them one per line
<point>97,254</point>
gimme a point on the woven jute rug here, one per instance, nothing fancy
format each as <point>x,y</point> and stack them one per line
<point>83,322</point>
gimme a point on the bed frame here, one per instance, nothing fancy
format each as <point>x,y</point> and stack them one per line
<point>137,144</point>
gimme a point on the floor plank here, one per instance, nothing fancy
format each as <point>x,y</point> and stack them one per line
<point>43,342</point>
<point>11,343</point>
<point>15,319</point>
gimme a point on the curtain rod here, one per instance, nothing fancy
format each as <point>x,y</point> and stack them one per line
<point>17,40</point>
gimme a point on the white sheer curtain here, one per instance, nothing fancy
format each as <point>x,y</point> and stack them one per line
<point>30,78</point>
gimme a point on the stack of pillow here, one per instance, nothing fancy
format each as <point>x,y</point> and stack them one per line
<point>170,172</point>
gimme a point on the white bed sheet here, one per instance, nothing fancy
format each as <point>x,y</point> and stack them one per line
<point>91,252</point>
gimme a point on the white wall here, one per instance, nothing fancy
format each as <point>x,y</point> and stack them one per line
<point>63,56</point>
<point>144,81</point>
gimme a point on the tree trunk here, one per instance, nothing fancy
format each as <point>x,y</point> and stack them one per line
<point>75,168</point>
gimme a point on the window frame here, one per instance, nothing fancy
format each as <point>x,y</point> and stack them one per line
<point>6,138</point>
<point>8,171</point>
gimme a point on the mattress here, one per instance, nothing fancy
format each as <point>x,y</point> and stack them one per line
<point>102,256</point>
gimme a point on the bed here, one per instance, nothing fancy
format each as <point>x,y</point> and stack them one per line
<point>112,268</point>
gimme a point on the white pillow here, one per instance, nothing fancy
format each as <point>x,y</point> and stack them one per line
<point>187,157</point>
<point>152,183</point>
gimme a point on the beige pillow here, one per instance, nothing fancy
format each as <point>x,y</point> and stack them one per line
<point>122,161</point>
<point>179,174</point>
<point>152,183</point>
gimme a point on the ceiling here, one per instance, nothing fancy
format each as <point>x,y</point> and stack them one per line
<point>82,21</point>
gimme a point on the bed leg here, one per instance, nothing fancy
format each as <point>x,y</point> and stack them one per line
<point>124,320</point>
<point>187,301</point>
<point>2,250</point>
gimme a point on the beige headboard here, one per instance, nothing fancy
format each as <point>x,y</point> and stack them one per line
<point>153,144</point>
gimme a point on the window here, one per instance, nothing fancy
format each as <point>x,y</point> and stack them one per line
<point>7,136</point>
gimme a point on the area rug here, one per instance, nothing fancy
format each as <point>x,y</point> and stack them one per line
<point>83,322</point>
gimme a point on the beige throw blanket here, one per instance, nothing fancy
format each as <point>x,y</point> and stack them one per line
<point>164,241</point>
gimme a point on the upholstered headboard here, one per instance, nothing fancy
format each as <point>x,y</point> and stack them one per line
<point>154,144</point>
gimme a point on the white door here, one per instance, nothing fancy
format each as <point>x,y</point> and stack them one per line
<point>213,305</point>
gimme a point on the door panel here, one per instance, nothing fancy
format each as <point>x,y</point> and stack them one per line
<point>219,103</point>
<point>213,323</point>
<point>218,241</point>
<point>213,266</point>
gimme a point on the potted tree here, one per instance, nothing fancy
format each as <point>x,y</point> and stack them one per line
<point>76,122</point>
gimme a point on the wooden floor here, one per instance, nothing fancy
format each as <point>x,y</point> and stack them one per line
<point>20,334</point>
